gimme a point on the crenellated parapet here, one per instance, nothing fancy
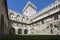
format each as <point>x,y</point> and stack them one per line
<point>49,10</point>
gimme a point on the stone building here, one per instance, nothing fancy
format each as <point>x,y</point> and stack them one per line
<point>44,22</point>
<point>31,22</point>
<point>3,17</point>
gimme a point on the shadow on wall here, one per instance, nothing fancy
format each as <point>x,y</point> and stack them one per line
<point>2,25</point>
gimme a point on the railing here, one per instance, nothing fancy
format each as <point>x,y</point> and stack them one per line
<point>57,20</point>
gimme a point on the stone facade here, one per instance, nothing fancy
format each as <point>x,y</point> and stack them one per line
<point>46,22</point>
<point>3,18</point>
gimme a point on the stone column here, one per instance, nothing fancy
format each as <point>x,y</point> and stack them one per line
<point>29,31</point>
<point>16,31</point>
<point>22,31</point>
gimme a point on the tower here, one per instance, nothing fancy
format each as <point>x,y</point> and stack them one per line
<point>3,17</point>
<point>29,10</point>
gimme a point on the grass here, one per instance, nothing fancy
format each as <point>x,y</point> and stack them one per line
<point>29,37</point>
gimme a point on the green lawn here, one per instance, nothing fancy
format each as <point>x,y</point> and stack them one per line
<point>29,37</point>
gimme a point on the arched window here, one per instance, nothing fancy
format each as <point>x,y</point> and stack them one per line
<point>25,31</point>
<point>11,15</point>
<point>2,25</point>
<point>19,31</point>
<point>12,31</point>
<point>17,17</point>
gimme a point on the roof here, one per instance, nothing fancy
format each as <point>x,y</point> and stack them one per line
<point>29,4</point>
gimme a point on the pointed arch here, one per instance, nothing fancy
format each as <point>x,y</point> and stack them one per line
<point>18,17</point>
<point>12,31</point>
<point>19,31</point>
<point>12,15</point>
<point>25,31</point>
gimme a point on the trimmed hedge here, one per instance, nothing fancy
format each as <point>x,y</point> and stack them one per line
<point>30,37</point>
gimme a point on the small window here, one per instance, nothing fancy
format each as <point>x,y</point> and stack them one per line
<point>42,22</point>
<point>23,18</point>
<point>55,26</point>
<point>56,7</point>
<point>56,17</point>
<point>51,31</point>
<point>47,26</point>
<point>53,8</point>
<point>51,25</point>
<point>18,17</point>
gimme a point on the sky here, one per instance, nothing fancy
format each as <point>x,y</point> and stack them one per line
<point>18,5</point>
